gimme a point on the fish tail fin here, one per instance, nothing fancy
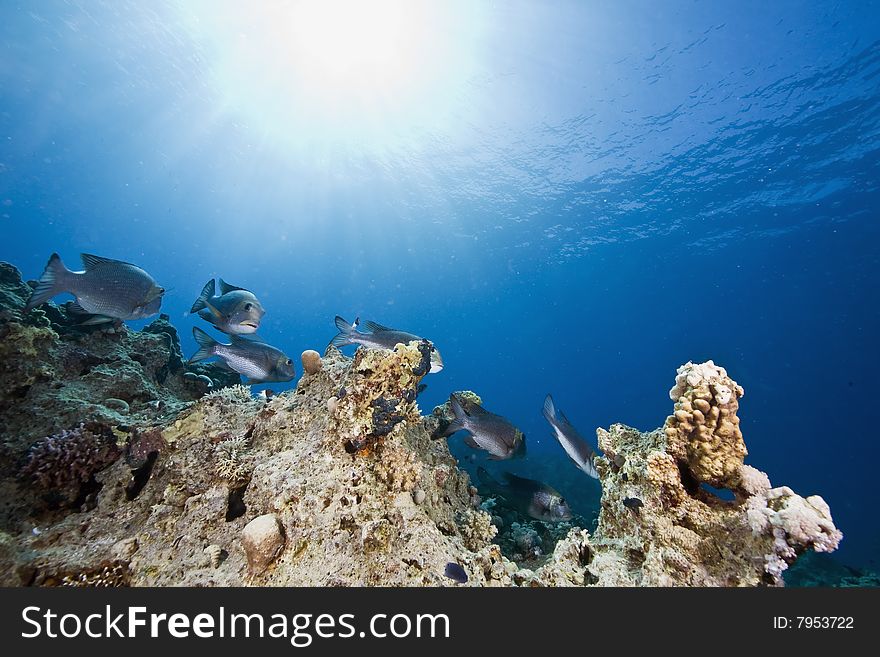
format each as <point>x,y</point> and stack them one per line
<point>206,345</point>
<point>460,421</point>
<point>346,330</point>
<point>485,478</point>
<point>51,283</point>
<point>550,410</point>
<point>201,302</point>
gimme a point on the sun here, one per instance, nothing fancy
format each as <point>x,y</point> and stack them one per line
<point>312,70</point>
<point>345,45</point>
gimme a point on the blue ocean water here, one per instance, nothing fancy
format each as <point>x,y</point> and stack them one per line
<point>566,197</point>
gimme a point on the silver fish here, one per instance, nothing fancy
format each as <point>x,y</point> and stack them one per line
<point>533,498</point>
<point>574,445</point>
<point>107,289</point>
<point>236,311</point>
<point>489,432</point>
<point>257,361</point>
<point>379,337</point>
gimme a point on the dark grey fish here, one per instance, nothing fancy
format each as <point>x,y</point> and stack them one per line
<point>236,311</point>
<point>533,498</point>
<point>379,337</point>
<point>488,431</point>
<point>107,289</point>
<point>253,359</point>
<point>574,445</point>
<point>633,503</point>
<point>455,572</point>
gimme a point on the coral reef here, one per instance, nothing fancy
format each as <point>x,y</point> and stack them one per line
<point>233,460</point>
<point>340,482</point>
<point>345,518</point>
<point>55,374</point>
<point>682,533</point>
<point>378,392</point>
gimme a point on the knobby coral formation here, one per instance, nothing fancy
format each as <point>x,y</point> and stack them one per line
<point>703,432</point>
<point>339,481</point>
<point>680,532</point>
<point>64,463</point>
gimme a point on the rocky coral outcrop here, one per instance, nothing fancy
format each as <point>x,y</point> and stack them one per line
<point>345,518</point>
<point>340,482</point>
<point>57,377</point>
<point>55,374</point>
<point>660,525</point>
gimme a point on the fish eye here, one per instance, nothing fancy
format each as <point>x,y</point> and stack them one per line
<point>289,362</point>
<point>248,306</point>
<point>161,290</point>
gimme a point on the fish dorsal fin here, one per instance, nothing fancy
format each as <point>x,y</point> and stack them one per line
<point>212,309</point>
<point>91,261</point>
<point>374,327</point>
<point>513,480</point>
<point>226,287</point>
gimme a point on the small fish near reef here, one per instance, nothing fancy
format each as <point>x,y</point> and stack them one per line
<point>105,291</point>
<point>634,504</point>
<point>379,337</point>
<point>530,497</point>
<point>257,361</point>
<point>489,432</point>
<point>236,311</point>
<point>455,572</point>
<point>574,445</point>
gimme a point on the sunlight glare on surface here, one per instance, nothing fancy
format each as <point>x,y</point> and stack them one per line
<point>336,70</point>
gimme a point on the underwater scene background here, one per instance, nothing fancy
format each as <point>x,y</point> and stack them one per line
<point>568,198</point>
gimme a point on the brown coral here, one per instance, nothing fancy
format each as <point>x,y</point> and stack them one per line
<point>311,361</point>
<point>703,431</point>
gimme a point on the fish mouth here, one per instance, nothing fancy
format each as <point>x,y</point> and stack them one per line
<point>252,325</point>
